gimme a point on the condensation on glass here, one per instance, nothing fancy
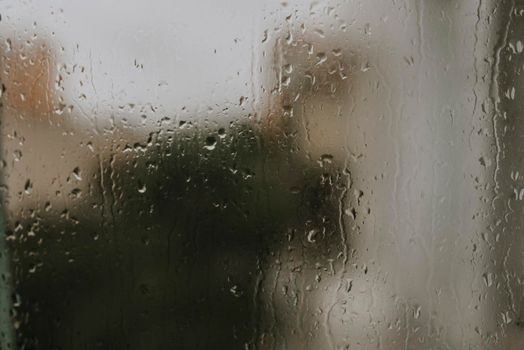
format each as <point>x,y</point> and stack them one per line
<point>262,174</point>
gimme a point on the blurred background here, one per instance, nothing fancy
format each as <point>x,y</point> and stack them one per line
<point>261,175</point>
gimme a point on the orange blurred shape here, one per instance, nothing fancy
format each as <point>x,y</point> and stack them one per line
<point>27,79</point>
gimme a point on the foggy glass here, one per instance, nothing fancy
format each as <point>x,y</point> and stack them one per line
<point>262,174</point>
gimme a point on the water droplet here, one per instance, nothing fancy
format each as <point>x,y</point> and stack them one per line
<point>211,143</point>
<point>236,291</point>
<point>76,173</point>
<point>488,279</point>
<point>28,187</point>
<point>311,236</point>
<point>416,312</point>
<point>17,155</point>
<point>321,57</point>
<point>141,187</point>
<point>76,192</point>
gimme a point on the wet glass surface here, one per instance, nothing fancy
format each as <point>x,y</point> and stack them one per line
<point>262,174</point>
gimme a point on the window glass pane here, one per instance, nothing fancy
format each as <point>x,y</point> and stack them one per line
<point>261,174</point>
